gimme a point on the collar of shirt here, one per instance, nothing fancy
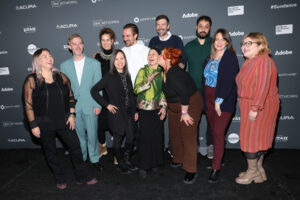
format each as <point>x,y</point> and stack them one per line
<point>168,37</point>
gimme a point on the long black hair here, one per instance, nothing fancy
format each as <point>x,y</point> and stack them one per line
<point>113,69</point>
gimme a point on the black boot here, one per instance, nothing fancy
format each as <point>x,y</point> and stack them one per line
<point>127,158</point>
<point>214,175</point>
<point>190,178</point>
<point>121,163</point>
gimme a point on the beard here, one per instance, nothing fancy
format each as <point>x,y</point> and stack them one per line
<point>201,35</point>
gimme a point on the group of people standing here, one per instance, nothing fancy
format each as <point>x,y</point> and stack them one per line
<point>135,88</point>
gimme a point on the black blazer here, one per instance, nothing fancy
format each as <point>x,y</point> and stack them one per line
<point>226,87</point>
<point>113,86</point>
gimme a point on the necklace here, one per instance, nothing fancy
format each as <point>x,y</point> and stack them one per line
<point>105,56</point>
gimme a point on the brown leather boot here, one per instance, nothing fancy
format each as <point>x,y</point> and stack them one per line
<point>102,149</point>
<point>260,168</point>
<point>252,174</point>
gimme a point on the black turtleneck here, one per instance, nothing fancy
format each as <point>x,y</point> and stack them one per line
<point>104,58</point>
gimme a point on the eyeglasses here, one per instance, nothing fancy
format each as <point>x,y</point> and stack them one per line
<point>248,44</point>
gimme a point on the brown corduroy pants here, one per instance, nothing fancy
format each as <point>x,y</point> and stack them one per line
<point>184,139</point>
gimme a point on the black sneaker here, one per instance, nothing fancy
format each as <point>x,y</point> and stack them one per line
<point>190,178</point>
<point>175,165</point>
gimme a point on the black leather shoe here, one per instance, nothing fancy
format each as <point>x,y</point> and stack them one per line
<point>189,178</point>
<point>143,173</point>
<point>214,175</point>
<point>155,169</point>
<point>175,165</point>
<point>123,170</point>
<point>131,167</point>
<point>98,166</point>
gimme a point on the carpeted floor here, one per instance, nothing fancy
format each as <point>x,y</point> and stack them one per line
<point>24,175</point>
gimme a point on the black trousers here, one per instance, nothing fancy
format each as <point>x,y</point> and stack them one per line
<point>128,133</point>
<point>70,139</point>
<point>102,126</point>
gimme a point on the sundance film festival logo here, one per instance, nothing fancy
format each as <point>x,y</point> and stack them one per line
<point>29,29</point>
<point>287,117</point>
<point>4,71</point>
<point>235,10</point>
<point>283,53</point>
<point>16,140</point>
<point>236,33</point>
<point>189,15</point>
<point>274,7</point>
<point>26,7</point>
<point>31,49</point>
<point>29,69</point>
<point>66,26</point>
<point>289,96</point>
<point>137,19</point>
<point>7,124</point>
<point>3,52</point>
<point>7,89</point>
<point>58,3</point>
<point>100,22</point>
<point>284,29</point>
<point>281,139</point>
<point>3,107</point>
<point>233,138</point>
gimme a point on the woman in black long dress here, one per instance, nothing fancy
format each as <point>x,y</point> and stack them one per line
<point>50,109</point>
<point>120,104</point>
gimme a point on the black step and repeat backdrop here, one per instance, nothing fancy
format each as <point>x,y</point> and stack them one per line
<point>31,24</point>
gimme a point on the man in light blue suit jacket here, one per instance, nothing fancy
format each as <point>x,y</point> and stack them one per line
<point>84,73</point>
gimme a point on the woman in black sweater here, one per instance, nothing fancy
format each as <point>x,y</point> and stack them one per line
<point>50,110</point>
<point>185,106</point>
<point>121,104</point>
<point>107,38</point>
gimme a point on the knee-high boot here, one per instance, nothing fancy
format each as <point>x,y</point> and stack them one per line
<point>252,174</point>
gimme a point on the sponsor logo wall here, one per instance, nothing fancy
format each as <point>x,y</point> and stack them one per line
<point>277,20</point>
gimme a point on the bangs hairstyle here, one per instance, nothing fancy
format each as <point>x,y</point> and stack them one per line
<point>173,54</point>
<point>36,68</point>
<point>261,40</point>
<point>113,69</point>
<point>226,36</point>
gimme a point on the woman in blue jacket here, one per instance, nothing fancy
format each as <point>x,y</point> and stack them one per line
<point>220,93</point>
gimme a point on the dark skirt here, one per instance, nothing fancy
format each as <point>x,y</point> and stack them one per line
<point>151,139</point>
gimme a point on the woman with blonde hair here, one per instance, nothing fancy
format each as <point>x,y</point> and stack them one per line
<point>50,110</point>
<point>259,105</point>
